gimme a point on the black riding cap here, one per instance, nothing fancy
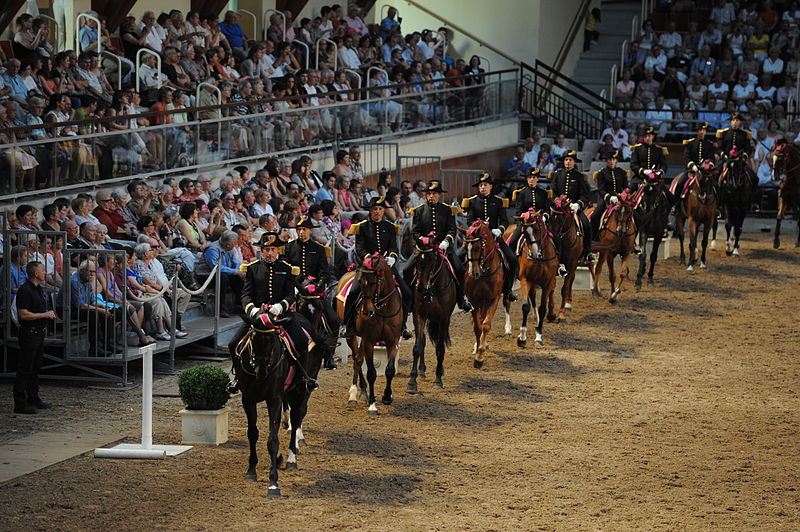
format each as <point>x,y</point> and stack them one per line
<point>270,239</point>
<point>571,154</point>
<point>485,178</point>
<point>434,186</point>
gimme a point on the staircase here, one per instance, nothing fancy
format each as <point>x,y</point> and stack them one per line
<point>593,69</point>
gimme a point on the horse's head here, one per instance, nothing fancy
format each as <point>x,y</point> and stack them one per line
<point>311,293</point>
<point>620,221</point>
<point>653,178</point>
<point>264,352</point>
<point>534,230</point>
<point>783,151</point>
<point>478,242</point>
<point>374,274</point>
<point>425,263</point>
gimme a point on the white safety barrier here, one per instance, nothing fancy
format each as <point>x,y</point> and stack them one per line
<point>146,449</point>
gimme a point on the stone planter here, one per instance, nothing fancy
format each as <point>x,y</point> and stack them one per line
<point>204,427</point>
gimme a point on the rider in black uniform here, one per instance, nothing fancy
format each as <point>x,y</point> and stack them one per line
<point>611,182</point>
<point>570,182</point>
<point>697,150</point>
<point>375,235</point>
<point>736,145</point>
<point>533,197</point>
<point>492,210</point>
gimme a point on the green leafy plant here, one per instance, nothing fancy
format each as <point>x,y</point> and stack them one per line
<point>204,388</point>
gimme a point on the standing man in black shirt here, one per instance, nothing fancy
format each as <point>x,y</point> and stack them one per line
<point>34,318</point>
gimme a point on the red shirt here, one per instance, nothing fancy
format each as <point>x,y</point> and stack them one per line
<point>113,220</point>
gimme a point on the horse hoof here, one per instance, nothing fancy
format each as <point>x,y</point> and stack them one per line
<point>650,282</point>
<point>411,388</point>
<point>352,402</point>
<point>507,335</point>
<point>252,477</point>
<point>372,412</point>
<point>552,318</point>
<point>595,295</point>
<point>423,377</point>
<point>478,364</point>
<point>735,252</point>
<point>521,343</point>
<point>562,320</point>
<point>612,300</point>
<point>386,400</point>
<point>291,465</point>
<point>728,253</point>
<point>539,343</point>
<point>274,492</point>
<point>637,285</point>
<point>713,244</point>
<point>682,262</point>
<point>438,384</point>
<point>776,244</point>
<point>690,269</point>
<point>703,266</point>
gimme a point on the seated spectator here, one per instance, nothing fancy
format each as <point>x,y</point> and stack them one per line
<point>736,40</point>
<point>659,115</point>
<point>28,40</point>
<point>657,62</point>
<point>624,89</point>
<point>712,38</point>
<point>559,145</point>
<point>618,135</point>
<point>389,25</point>
<point>765,92</point>
<point>670,39</point>
<point>634,61</point>
<point>648,88</point>
<point>532,147</point>
<point>193,237</point>
<point>672,89</point>
<point>82,208</point>
<point>516,166</point>
<point>647,36</point>
<point>106,213</point>
<point>696,92</point>
<point>729,67</point>
<point>234,34</point>
<point>232,279</point>
<point>606,149</point>
<point>759,41</point>
<point>244,250</point>
<point>153,275</point>
<point>773,64</point>
<point>723,14</point>
<point>161,316</point>
<point>691,40</point>
<point>743,90</point>
<point>328,190</point>
<point>791,17</point>
<point>18,261</point>
<point>719,89</point>
<point>704,64</point>
<point>86,308</point>
<point>112,290</point>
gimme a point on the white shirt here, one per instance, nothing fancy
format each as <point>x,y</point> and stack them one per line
<point>349,57</point>
<point>426,49</point>
<point>772,67</point>
<point>723,89</point>
<point>197,40</point>
<point>154,39</point>
<point>670,40</point>
<point>150,77</point>
<point>258,210</point>
<point>620,137</point>
<point>656,116</point>
<point>310,89</point>
<point>657,63</point>
<point>532,157</point>
<point>723,15</point>
<point>765,95</point>
<point>741,93</point>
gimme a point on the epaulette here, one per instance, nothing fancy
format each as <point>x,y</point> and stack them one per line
<point>596,176</point>
<point>635,146</point>
<point>355,228</point>
<point>412,209</point>
<point>549,193</point>
<point>455,209</point>
<point>627,173</point>
<point>749,134</point>
<point>465,201</point>
<point>687,141</point>
<point>505,202</point>
<point>243,267</point>
<point>328,252</point>
<point>295,269</point>
<point>398,228</point>
<point>664,150</point>
<point>515,193</point>
<point>720,132</point>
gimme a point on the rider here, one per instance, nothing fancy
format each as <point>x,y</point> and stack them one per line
<point>375,235</point>
<point>648,160</point>
<point>492,210</point>
<point>735,144</point>
<point>611,182</point>
<point>311,258</point>
<point>439,218</point>
<point>568,181</point>
<point>697,150</point>
<point>271,282</point>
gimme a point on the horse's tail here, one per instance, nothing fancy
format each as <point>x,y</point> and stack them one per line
<point>439,330</point>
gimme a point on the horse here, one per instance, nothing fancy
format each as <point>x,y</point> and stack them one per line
<point>735,191</point>
<point>787,162</point>
<point>379,319</point>
<point>617,237</point>
<point>700,208</point>
<point>483,283</point>
<point>538,264</point>
<point>566,231</point>
<point>652,217</point>
<point>262,367</point>
<point>359,387</point>
<point>434,289</point>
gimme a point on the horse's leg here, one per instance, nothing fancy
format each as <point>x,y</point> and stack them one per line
<point>368,351</point>
<point>357,372</point>
<point>477,317</point>
<point>797,222</point>
<point>657,238</point>
<point>507,315</point>
<point>598,267</point>
<point>714,226</point>
<point>419,347</point>
<point>612,277</point>
<point>251,411</point>
<point>274,407</point>
<point>679,231</point>
<point>706,230</point>
<point>776,243</point>
<point>391,352</point>
<point>540,315</point>
<point>524,296</point>
<point>642,260</point>
<point>442,327</point>
<point>569,281</point>
<point>737,230</point>
<point>299,406</point>
<point>728,235</point>
<point>551,296</point>
<point>692,244</point>
<point>486,326</point>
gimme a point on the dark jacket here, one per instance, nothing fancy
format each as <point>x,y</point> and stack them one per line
<point>436,218</point>
<point>268,282</point>
<point>648,156</point>
<point>610,182</point>
<point>526,198</point>
<point>311,257</point>
<point>375,237</point>
<point>491,209</point>
<point>735,138</point>
<point>697,150</point>
<point>571,183</point>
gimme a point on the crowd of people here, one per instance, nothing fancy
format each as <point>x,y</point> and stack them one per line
<point>736,57</point>
<point>41,86</point>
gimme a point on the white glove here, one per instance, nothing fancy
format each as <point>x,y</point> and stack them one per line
<point>276,309</point>
<point>574,207</point>
<point>444,245</point>
<point>613,199</point>
<point>496,232</point>
<point>390,261</point>
<point>255,311</point>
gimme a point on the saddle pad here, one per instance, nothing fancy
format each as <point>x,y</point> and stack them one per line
<point>342,295</point>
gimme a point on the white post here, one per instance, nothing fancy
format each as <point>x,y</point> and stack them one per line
<point>265,22</point>
<point>78,32</point>
<point>308,50</point>
<point>335,54</point>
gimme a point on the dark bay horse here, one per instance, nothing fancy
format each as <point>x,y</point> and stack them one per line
<point>652,217</point>
<point>538,264</point>
<point>787,163</point>
<point>483,283</point>
<point>734,194</point>
<point>569,241</point>
<point>359,387</point>
<point>699,207</point>
<point>262,362</point>
<point>617,237</point>
<point>434,290</point>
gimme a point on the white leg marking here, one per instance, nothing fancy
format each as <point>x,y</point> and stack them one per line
<point>735,252</point>
<point>567,306</point>
<point>508,327</point>
<point>690,268</point>
<point>474,348</point>
<point>714,244</point>
<point>373,409</point>
<point>300,437</point>
<point>522,331</point>
<point>703,266</point>
<point>539,339</point>
<point>354,391</point>
<point>292,459</point>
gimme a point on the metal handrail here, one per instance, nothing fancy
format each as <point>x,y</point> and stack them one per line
<point>335,55</point>
<point>387,6</point>
<point>253,16</point>
<point>265,20</point>
<point>572,33</point>
<point>308,49</point>
<point>613,85</point>
<point>622,55</point>
<point>118,59</point>
<point>139,54</point>
<point>57,25</point>
<point>78,31</point>
<point>797,86</point>
<point>485,60</point>
<point>370,70</point>
<point>634,27</point>
<point>355,74</point>
<point>219,100</point>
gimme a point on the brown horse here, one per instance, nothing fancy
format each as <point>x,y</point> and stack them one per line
<point>379,319</point>
<point>699,207</point>
<point>566,231</point>
<point>483,283</point>
<point>617,237</point>
<point>538,264</point>
<point>787,162</point>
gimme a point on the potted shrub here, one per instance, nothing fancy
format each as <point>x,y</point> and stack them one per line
<point>204,421</point>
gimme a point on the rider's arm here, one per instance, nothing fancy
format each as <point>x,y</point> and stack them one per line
<point>247,301</point>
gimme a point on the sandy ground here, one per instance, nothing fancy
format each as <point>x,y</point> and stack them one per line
<point>676,409</point>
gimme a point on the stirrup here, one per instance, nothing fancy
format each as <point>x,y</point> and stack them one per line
<point>562,270</point>
<point>310,384</point>
<point>592,257</point>
<point>233,387</point>
<point>406,334</point>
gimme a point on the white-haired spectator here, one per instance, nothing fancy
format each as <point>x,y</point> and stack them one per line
<point>160,315</point>
<point>232,279</point>
<point>154,35</point>
<point>225,186</point>
<point>152,273</point>
<point>354,20</point>
<point>670,39</point>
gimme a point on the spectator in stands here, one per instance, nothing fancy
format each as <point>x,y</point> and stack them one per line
<point>152,274</point>
<point>773,64</point>
<point>234,34</point>
<point>328,190</point>
<point>17,263</point>
<point>647,36</point>
<point>624,89</point>
<point>742,91</point>
<point>719,89</point>
<point>27,40</point>
<point>712,38</point>
<point>193,237</point>
<point>618,135</point>
<point>723,15</point>
<point>656,61</point>
<point>559,145</point>
<point>532,146</point>
<point>221,252</point>
<point>160,314</point>
<point>765,92</point>
<point>659,115</point>
<point>759,41</point>
<point>106,214</point>
<point>151,32</point>
<point>691,40</point>
<point>517,165</point>
<point>648,88</point>
<point>85,309</point>
<point>769,17</point>
<point>673,91</point>
<point>83,211</point>
<point>736,40</point>
<point>750,65</point>
<point>704,64</point>
<point>389,25</point>
<point>634,61</point>
<point>604,152</point>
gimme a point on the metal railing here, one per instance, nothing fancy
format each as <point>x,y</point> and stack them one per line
<point>78,30</point>
<point>266,24</point>
<point>307,55</point>
<point>335,52</point>
<point>458,181</point>
<point>139,54</point>
<point>252,16</point>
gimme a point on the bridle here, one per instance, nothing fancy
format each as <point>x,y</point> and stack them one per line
<point>434,276</point>
<point>249,361</point>
<point>781,155</point>
<point>379,301</point>
<point>561,208</point>
<point>487,249</point>
<point>529,221</point>
<point>703,179</point>
<point>623,228</point>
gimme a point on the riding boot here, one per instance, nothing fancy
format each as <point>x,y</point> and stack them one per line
<point>349,319</point>
<point>458,270</point>
<point>509,271</point>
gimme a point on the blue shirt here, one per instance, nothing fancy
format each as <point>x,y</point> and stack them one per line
<point>18,278</point>
<point>512,163</point>
<point>234,34</point>
<point>89,37</point>
<point>322,195</point>
<point>387,25</point>
<point>80,292</point>
<point>229,264</point>
<point>18,88</point>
